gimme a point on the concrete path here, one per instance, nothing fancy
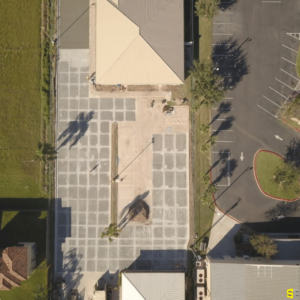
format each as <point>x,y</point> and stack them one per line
<point>83,198</point>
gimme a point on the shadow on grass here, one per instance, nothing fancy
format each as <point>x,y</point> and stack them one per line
<point>23,203</point>
<point>25,227</point>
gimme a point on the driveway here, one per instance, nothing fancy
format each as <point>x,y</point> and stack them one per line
<point>256,52</point>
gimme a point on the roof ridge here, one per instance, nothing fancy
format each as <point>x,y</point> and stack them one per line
<point>168,292</point>
<point>134,286</point>
<point>160,57</point>
<point>121,56</point>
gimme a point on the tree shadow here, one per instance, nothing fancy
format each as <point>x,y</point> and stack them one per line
<point>230,62</point>
<point>135,208</point>
<point>282,210</point>
<point>224,108</point>
<point>225,4</point>
<point>223,156</point>
<point>227,170</point>
<point>71,275</point>
<point>76,129</point>
<point>292,154</point>
<point>225,125</point>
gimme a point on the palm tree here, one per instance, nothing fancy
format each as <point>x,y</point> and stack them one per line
<point>205,178</point>
<point>207,8</point>
<point>212,189</point>
<point>263,245</point>
<point>113,230</point>
<point>204,128</point>
<point>45,152</point>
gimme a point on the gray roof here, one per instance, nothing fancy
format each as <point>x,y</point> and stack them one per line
<point>161,25</point>
<point>252,282</point>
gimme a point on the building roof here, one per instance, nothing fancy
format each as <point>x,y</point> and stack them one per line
<point>153,286</point>
<point>251,281</point>
<point>140,42</point>
<point>13,267</point>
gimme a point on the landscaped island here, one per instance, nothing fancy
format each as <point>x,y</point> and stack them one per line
<point>266,164</point>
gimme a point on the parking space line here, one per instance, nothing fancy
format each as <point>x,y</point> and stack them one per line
<point>284,83</point>
<point>277,92</point>
<point>271,101</point>
<point>288,61</point>
<point>289,74</point>
<point>266,111</point>
<point>289,48</point>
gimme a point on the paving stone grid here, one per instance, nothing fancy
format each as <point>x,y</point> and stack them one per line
<point>83,197</point>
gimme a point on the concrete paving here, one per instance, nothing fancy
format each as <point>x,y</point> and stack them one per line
<point>83,198</point>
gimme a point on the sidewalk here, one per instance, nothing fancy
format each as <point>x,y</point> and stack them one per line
<point>221,241</point>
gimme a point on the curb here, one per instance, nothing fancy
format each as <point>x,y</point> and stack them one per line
<point>223,212</point>
<point>284,121</point>
<point>258,184</point>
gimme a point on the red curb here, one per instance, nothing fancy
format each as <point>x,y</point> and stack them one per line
<point>257,181</point>
<point>284,121</point>
<point>223,212</point>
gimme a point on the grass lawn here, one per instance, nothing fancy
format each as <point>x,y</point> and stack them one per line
<point>203,214</point>
<point>20,98</point>
<point>266,165</point>
<point>27,288</point>
<point>298,63</point>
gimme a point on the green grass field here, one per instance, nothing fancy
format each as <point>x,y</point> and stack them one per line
<point>266,165</point>
<point>298,63</point>
<point>203,214</point>
<point>20,98</point>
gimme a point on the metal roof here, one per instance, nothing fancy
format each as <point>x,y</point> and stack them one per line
<point>232,281</point>
<point>153,286</point>
<point>140,42</point>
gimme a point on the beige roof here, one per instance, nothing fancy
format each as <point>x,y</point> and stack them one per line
<point>153,286</point>
<point>123,55</point>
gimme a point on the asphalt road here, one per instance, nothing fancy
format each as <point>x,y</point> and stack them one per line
<point>257,56</point>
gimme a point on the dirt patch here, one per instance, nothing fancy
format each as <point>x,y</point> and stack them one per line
<point>143,88</point>
<point>114,171</point>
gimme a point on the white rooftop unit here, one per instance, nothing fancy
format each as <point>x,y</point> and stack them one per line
<point>200,293</point>
<point>200,276</point>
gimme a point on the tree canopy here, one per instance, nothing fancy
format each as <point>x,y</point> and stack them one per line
<point>263,245</point>
<point>208,86</point>
<point>207,9</point>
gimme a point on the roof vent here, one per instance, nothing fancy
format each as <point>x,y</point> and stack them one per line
<point>200,279</point>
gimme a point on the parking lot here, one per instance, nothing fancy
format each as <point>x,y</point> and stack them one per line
<point>256,54</point>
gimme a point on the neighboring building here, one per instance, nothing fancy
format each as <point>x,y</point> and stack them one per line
<point>251,278</point>
<point>153,286</point>
<point>16,264</point>
<point>140,42</point>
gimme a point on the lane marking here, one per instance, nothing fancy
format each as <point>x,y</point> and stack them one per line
<point>288,61</point>
<point>266,111</point>
<point>271,101</point>
<point>284,83</point>
<point>277,92</point>
<point>289,74</point>
<point>289,48</point>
